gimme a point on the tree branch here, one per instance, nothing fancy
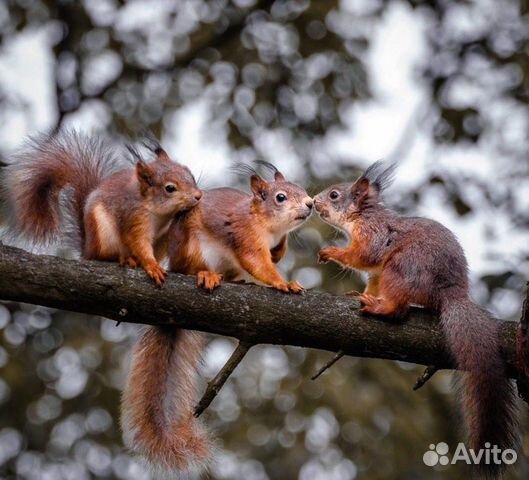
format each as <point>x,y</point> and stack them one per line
<point>428,373</point>
<point>217,383</point>
<point>250,313</point>
<point>329,364</point>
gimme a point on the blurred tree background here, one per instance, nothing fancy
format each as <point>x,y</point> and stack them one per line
<point>291,81</point>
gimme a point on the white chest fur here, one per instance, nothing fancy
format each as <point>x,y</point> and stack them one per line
<point>107,231</point>
<point>274,239</point>
<point>218,258</point>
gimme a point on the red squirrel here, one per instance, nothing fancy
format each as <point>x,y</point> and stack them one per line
<point>229,234</point>
<point>121,213</point>
<point>413,260</point>
<point>237,236</point>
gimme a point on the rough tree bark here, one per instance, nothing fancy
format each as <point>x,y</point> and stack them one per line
<point>249,313</point>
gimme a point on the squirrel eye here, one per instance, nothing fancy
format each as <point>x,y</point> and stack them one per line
<point>281,197</point>
<point>334,195</point>
<point>170,188</point>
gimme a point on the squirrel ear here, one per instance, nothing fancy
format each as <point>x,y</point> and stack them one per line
<point>259,186</point>
<point>361,186</point>
<point>278,176</point>
<point>162,154</point>
<point>144,173</point>
<point>152,143</point>
<point>361,190</point>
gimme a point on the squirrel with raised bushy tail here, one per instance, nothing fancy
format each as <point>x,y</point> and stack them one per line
<point>417,261</point>
<point>72,185</point>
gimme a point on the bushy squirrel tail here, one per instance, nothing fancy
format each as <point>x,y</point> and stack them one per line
<point>46,167</point>
<point>158,402</point>
<point>487,394</point>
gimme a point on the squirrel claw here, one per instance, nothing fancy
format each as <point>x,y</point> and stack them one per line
<point>326,254</point>
<point>374,306</point>
<point>157,273</point>
<point>290,287</point>
<point>295,287</point>
<point>368,300</point>
<point>322,256</point>
<point>208,280</point>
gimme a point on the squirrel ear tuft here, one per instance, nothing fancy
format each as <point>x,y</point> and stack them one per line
<point>259,186</point>
<point>136,157</point>
<point>144,173</point>
<point>151,142</point>
<point>278,176</point>
<point>380,175</point>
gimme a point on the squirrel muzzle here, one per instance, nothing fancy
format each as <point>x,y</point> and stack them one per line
<point>306,210</point>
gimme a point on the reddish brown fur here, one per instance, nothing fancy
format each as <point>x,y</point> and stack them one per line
<point>238,235</point>
<point>122,216</point>
<point>37,174</point>
<point>246,228</point>
<point>157,403</point>
<point>418,261</point>
<point>143,212</point>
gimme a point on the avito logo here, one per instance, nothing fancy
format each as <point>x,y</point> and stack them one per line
<point>439,455</point>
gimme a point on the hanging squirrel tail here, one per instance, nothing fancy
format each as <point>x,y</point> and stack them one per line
<point>47,166</point>
<point>487,394</point>
<point>158,401</point>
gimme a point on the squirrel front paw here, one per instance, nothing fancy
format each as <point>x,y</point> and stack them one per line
<point>289,287</point>
<point>208,280</point>
<point>156,272</point>
<point>326,254</point>
<point>128,261</point>
<point>295,287</point>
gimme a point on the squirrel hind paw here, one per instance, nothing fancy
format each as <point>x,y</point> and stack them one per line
<point>209,280</point>
<point>380,306</point>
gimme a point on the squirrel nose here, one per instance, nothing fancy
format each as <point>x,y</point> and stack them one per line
<point>309,202</point>
<point>198,195</point>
